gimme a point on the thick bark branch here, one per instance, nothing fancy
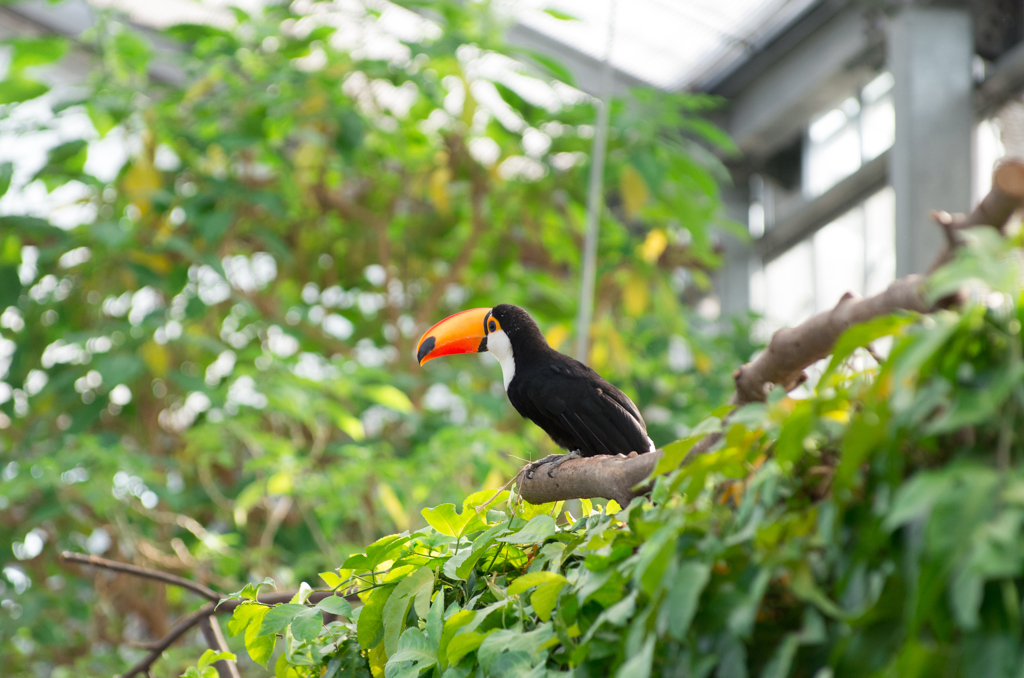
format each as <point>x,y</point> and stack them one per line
<point>601,476</point>
<point>792,349</point>
<point>789,353</point>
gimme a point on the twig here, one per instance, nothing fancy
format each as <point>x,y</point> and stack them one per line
<point>145,572</point>
<point>179,629</point>
<point>278,512</point>
<point>202,616</point>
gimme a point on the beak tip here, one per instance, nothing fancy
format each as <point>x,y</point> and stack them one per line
<point>426,346</point>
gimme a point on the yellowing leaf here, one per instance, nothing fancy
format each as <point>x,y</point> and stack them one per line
<point>155,357</point>
<point>702,363</point>
<point>280,483</point>
<point>463,644</point>
<point>351,426</point>
<point>549,585</point>
<point>635,296</point>
<point>634,191</point>
<point>653,246</point>
<point>531,579</point>
<point>312,104</point>
<point>840,416</point>
<point>438,189</point>
<point>159,263</point>
<point>447,521</point>
<point>557,335</point>
<point>332,579</point>
<point>389,396</point>
<point>494,479</point>
<point>140,182</point>
<point>393,506</point>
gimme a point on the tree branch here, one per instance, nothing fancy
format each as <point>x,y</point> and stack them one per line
<point>789,353</point>
<point>203,617</point>
<point>145,572</point>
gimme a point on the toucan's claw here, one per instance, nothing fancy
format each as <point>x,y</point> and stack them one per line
<point>555,460</point>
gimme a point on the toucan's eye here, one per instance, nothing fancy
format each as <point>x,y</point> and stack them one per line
<point>492,326</point>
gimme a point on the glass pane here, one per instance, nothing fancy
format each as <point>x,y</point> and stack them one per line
<point>832,160</point>
<point>878,127</point>
<point>879,241</point>
<point>839,258</point>
<point>789,287</point>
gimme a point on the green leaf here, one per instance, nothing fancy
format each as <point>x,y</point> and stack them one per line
<point>674,453</point>
<point>6,173</point>
<point>916,497</point>
<point>465,560</point>
<point>248,617</point>
<point>35,51</point>
<point>279,617</point>
<point>10,286</point>
<point>376,553</point>
<point>16,89</point>
<point>397,606</point>
<point>530,643</point>
<point>463,644</point>
<point>639,665</point>
<point>413,646</point>
<point>213,225</point>
<point>370,627</point>
<point>683,596</point>
<point>306,624</point>
<point>435,620</point>
<point>864,435</point>
<point>790,446</point>
<point>861,335</point>
<point>561,16</point>
<point>547,65</point>
<point>545,598</point>
<point>243,615</point>
<point>305,590</point>
<point>335,605</point>
<point>210,656</point>
<point>537,530</point>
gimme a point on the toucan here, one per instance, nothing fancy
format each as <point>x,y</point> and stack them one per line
<point>572,403</point>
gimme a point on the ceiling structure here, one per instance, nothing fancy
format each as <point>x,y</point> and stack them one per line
<point>669,44</point>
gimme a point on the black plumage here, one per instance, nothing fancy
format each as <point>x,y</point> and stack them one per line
<point>572,403</point>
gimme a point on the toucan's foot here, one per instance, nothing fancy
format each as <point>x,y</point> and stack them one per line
<point>555,460</point>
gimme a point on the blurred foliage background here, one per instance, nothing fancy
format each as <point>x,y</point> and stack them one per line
<point>206,362</point>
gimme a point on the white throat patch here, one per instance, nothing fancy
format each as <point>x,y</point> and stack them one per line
<point>501,348</point>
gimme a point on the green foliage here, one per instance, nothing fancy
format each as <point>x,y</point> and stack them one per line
<point>207,367</point>
<point>875,528</point>
<point>205,668</point>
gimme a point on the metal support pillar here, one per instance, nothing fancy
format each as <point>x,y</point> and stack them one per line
<point>732,280</point>
<point>930,56</point>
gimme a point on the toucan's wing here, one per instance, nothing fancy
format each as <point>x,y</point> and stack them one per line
<point>580,410</point>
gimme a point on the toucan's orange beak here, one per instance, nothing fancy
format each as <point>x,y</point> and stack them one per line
<point>463,332</point>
